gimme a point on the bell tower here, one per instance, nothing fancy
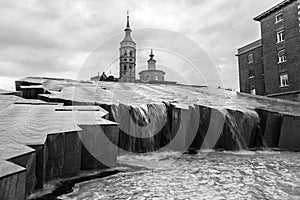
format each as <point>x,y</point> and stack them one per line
<point>127,56</point>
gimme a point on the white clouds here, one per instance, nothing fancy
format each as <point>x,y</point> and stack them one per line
<point>7,83</point>
<point>54,37</point>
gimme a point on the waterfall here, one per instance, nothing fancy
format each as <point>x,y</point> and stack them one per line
<point>142,126</point>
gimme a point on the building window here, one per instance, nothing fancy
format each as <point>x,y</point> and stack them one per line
<point>252,90</point>
<point>156,78</point>
<point>284,80</point>
<point>279,17</point>
<point>281,56</point>
<point>250,58</point>
<point>280,36</point>
<point>251,73</point>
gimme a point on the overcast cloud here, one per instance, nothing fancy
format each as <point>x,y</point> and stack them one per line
<point>55,38</point>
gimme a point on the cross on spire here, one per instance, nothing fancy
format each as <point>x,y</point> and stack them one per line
<point>151,53</point>
<point>127,25</point>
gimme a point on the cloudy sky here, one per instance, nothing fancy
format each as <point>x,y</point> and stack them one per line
<point>194,41</point>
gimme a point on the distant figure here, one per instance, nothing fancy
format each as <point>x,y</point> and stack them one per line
<point>103,77</point>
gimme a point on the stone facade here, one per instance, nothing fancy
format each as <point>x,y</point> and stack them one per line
<point>251,73</point>
<point>152,74</point>
<point>127,56</point>
<point>280,48</point>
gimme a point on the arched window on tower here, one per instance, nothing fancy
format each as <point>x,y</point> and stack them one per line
<point>128,66</point>
<point>123,52</point>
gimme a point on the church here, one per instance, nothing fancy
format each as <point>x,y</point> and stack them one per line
<point>152,74</point>
<point>128,62</point>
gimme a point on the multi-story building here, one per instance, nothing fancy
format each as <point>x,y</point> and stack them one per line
<point>271,66</point>
<point>251,69</point>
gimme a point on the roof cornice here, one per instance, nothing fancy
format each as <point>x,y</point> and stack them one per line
<point>273,9</point>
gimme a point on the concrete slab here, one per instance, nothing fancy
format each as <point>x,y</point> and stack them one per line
<point>31,124</point>
<point>130,93</point>
<point>290,133</point>
<point>270,124</point>
<point>12,149</point>
<point>54,137</point>
<point>99,146</point>
<point>27,161</point>
<point>12,181</point>
<point>8,168</point>
<point>23,156</point>
<point>6,92</point>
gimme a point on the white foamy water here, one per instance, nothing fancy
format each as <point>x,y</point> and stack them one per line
<point>217,175</point>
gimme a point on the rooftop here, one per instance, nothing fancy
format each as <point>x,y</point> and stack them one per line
<point>273,9</point>
<point>249,47</point>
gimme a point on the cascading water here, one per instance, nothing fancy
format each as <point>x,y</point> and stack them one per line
<point>143,127</point>
<point>241,130</point>
<point>150,127</point>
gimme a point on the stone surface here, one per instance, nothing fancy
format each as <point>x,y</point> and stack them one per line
<point>72,155</point>
<point>235,115</point>
<point>270,123</point>
<point>53,134</point>
<point>54,160</point>
<point>23,156</point>
<point>98,146</point>
<point>40,169</point>
<point>27,161</point>
<point>290,133</point>
<point>12,181</point>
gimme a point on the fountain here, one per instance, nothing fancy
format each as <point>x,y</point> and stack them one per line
<point>178,117</point>
<point>77,126</point>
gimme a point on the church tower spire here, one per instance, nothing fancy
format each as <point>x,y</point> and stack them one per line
<point>151,61</point>
<point>151,53</point>
<point>128,25</point>
<point>127,55</point>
